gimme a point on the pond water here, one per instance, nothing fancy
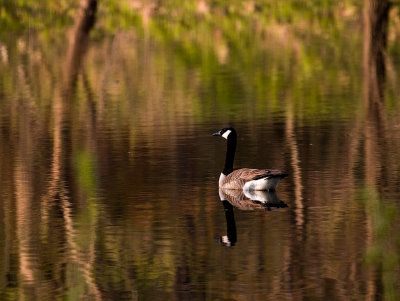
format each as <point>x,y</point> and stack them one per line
<point>109,172</point>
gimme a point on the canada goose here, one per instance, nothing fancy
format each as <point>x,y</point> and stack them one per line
<point>244,178</point>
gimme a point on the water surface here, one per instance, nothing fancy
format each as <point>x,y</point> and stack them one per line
<point>109,174</point>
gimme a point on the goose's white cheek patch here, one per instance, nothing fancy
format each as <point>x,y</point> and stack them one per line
<point>226,134</point>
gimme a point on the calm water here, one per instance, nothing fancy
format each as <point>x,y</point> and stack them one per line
<point>109,174</point>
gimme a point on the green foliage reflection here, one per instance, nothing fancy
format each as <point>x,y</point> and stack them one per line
<point>86,171</point>
<point>383,252</point>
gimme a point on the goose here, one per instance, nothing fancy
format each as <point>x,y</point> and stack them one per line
<point>245,179</point>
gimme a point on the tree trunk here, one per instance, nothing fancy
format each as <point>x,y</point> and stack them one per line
<point>376,16</point>
<point>78,42</point>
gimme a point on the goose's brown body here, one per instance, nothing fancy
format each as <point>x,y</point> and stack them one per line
<point>237,179</point>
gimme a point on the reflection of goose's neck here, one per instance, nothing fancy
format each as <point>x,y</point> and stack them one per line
<point>230,153</point>
<point>231,238</point>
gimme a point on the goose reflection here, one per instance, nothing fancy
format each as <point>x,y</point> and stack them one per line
<point>244,200</point>
<point>252,200</point>
<point>229,239</point>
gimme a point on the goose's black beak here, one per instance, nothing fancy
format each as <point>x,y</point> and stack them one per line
<point>217,134</point>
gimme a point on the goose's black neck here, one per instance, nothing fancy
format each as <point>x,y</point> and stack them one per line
<point>230,153</point>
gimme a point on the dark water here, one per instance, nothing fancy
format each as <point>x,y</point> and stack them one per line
<point>109,175</point>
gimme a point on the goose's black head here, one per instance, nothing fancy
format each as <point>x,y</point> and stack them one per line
<point>226,133</point>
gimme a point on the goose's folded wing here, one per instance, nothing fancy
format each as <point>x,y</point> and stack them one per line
<point>248,174</point>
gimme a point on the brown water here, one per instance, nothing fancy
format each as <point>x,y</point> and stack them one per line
<point>109,176</point>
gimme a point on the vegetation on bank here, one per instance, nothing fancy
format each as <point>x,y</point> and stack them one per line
<point>42,15</point>
<point>278,55</point>
<point>300,39</point>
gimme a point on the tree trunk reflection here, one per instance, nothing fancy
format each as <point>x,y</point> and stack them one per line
<point>376,15</point>
<point>59,183</point>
